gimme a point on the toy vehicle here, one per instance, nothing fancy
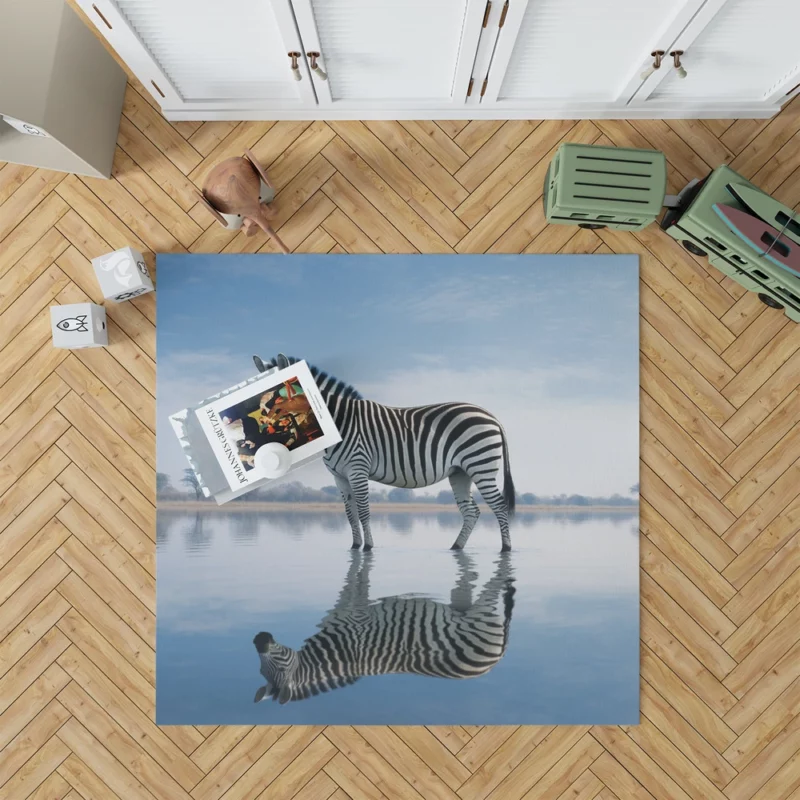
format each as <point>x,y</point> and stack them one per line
<point>605,187</point>
<point>704,232</point>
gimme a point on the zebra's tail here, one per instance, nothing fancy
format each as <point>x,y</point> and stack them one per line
<point>509,495</point>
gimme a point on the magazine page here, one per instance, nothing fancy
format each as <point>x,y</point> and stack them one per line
<point>284,407</point>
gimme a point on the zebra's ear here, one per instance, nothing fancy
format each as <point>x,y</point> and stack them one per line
<point>260,365</point>
<point>261,693</point>
<point>281,361</point>
<point>285,695</point>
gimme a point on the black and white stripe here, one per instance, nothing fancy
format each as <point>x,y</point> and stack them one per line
<point>411,448</point>
<point>410,635</point>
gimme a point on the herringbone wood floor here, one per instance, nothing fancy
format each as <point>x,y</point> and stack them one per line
<point>720,373</point>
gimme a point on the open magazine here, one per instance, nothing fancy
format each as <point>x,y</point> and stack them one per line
<point>222,436</point>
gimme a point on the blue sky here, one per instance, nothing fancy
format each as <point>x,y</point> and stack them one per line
<point>549,344</point>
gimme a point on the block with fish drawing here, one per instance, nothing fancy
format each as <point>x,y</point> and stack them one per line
<point>78,325</point>
<point>122,275</point>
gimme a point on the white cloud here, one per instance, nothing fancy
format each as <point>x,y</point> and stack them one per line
<point>556,444</point>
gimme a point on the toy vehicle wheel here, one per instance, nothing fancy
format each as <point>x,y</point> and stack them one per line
<point>693,248</point>
<point>592,226</point>
<point>769,301</point>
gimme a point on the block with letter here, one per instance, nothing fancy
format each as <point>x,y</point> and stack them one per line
<point>78,325</point>
<point>122,275</point>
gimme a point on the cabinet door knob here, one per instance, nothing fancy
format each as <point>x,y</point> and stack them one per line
<point>315,68</point>
<point>657,56</point>
<point>295,67</point>
<point>676,60</point>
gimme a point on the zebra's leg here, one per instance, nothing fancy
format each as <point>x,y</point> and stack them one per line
<point>487,486</point>
<point>462,491</point>
<point>350,509</point>
<point>461,594</point>
<point>360,487</point>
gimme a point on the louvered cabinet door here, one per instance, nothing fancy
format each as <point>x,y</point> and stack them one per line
<point>734,51</point>
<point>208,54</point>
<point>390,54</point>
<point>569,54</point>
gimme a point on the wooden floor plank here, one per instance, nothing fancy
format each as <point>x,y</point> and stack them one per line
<point>437,143</point>
<point>680,670</point>
<point>128,644</point>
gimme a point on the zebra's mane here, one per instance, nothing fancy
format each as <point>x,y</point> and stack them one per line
<point>329,384</point>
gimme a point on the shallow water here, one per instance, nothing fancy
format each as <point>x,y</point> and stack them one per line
<point>573,646</point>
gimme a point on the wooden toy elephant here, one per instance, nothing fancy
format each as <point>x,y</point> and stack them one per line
<point>237,193</point>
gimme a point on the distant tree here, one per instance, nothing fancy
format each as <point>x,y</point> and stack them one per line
<point>444,497</point>
<point>333,491</point>
<point>634,489</point>
<point>163,483</point>
<point>377,495</point>
<point>190,479</point>
<point>400,496</point>
<point>529,499</point>
<point>578,500</point>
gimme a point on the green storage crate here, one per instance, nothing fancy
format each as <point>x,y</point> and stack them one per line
<point>605,187</point>
<point>701,231</point>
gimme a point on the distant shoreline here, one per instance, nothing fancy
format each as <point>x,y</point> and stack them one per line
<point>375,508</point>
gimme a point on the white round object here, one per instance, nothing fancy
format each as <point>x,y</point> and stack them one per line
<point>273,460</point>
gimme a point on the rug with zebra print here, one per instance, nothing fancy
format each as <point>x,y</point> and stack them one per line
<point>466,554</point>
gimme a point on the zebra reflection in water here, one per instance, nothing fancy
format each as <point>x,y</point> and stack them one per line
<point>404,634</point>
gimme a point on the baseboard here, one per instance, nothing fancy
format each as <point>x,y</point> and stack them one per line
<point>651,111</point>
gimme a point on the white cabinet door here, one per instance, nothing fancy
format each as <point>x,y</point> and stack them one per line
<point>208,54</point>
<point>391,54</point>
<point>573,53</point>
<point>734,51</point>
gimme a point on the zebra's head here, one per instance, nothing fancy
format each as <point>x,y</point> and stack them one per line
<point>278,665</point>
<point>280,361</point>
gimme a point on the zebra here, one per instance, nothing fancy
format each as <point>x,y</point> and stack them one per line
<point>410,448</point>
<point>403,634</point>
